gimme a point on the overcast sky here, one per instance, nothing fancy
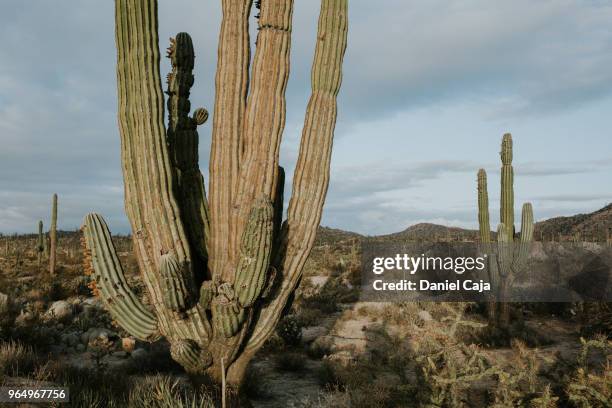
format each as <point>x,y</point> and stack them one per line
<point>429,88</point>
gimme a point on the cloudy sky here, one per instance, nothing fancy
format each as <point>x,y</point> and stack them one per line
<point>429,88</point>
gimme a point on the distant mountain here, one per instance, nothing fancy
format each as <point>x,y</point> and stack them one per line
<point>589,226</point>
<point>326,235</point>
<point>431,231</point>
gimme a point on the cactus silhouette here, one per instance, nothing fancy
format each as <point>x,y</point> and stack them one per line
<point>510,257</point>
<point>221,269</point>
<point>40,245</point>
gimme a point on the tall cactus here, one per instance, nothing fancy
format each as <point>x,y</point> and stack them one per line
<point>219,279</point>
<point>511,254</point>
<point>53,236</point>
<point>40,246</point>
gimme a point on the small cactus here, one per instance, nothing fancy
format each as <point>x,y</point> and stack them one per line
<point>40,248</point>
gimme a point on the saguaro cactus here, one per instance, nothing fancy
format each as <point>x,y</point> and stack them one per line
<point>53,236</point>
<point>40,245</point>
<point>218,279</point>
<point>510,257</point>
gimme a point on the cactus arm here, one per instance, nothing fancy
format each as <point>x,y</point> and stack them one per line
<point>526,237</point>
<point>182,138</point>
<point>231,86</point>
<point>483,208</point>
<point>147,169</point>
<point>264,118</point>
<point>110,282</point>
<point>504,250</point>
<point>311,177</point>
<point>255,252</point>
<point>507,186</point>
<point>148,172</point>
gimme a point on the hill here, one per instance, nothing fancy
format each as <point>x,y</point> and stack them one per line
<point>591,226</point>
<point>431,231</point>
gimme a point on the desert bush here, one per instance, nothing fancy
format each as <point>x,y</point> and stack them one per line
<point>588,388</point>
<point>329,296</point>
<point>290,330</point>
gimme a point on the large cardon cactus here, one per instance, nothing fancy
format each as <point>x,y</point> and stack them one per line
<point>511,256</point>
<point>219,270</point>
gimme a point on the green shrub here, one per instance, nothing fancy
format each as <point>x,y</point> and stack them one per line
<point>290,330</point>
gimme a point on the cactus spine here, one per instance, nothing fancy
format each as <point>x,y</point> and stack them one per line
<point>242,260</point>
<point>510,257</point>
<point>53,236</point>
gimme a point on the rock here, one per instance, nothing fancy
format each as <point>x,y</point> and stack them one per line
<point>120,354</point>
<point>128,344</point>
<point>425,316</point>
<point>23,318</point>
<point>60,309</point>
<point>310,334</point>
<point>139,354</point>
<point>318,281</point>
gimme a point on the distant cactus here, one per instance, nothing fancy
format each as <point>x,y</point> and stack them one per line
<point>53,236</point>
<point>40,246</point>
<point>219,270</point>
<point>509,259</point>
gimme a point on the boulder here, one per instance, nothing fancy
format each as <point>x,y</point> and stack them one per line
<point>60,309</point>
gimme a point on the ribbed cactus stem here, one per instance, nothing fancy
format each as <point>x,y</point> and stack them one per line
<point>265,113</point>
<point>190,355</point>
<point>182,138</point>
<point>311,175</point>
<point>109,280</point>
<point>255,251</point>
<point>53,236</point>
<point>207,293</point>
<point>527,227</point>
<point>173,286</point>
<point>227,315</point>
<point>483,208</point>
<point>507,186</point>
